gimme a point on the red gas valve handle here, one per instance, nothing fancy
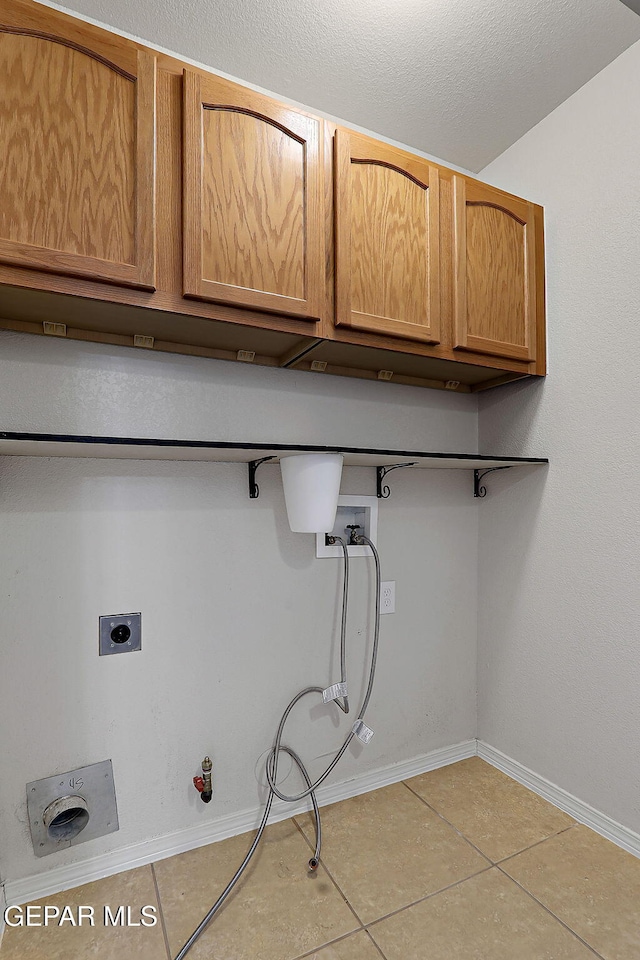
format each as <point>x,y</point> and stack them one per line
<point>198,783</point>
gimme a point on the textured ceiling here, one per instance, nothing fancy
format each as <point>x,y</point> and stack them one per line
<point>459,79</point>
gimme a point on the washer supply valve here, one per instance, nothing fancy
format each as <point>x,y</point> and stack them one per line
<point>354,537</point>
<point>203,783</point>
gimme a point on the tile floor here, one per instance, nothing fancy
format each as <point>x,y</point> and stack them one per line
<point>458,864</point>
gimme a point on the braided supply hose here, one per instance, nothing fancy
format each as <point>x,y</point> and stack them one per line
<point>271,766</point>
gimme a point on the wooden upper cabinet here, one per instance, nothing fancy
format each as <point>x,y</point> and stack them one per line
<point>387,239</point>
<point>495,272</point>
<point>77,147</point>
<point>254,225</point>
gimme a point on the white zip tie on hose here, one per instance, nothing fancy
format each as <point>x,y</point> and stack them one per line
<point>334,691</point>
<point>362,731</point>
<point>359,729</point>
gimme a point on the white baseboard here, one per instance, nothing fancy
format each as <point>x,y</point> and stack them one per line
<point>578,809</point>
<point>140,854</point>
<point>127,858</point>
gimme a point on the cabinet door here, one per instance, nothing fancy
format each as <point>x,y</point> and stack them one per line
<point>253,200</point>
<point>77,139</point>
<point>495,280</point>
<point>387,240</point>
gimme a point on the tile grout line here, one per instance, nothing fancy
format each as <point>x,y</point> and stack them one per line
<point>491,864</point>
<point>557,833</point>
<point>375,945</point>
<point>497,864</point>
<point>551,836</point>
<point>365,926</point>
<point>448,822</point>
<point>160,910</point>
<point>331,877</point>
<point>329,943</point>
<point>360,926</point>
<point>550,912</point>
<point>428,896</point>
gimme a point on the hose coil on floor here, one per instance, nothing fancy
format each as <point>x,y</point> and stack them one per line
<point>271,766</point>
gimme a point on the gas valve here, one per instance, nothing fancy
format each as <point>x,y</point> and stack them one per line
<point>203,783</point>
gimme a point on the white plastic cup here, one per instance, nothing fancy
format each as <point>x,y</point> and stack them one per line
<point>311,483</point>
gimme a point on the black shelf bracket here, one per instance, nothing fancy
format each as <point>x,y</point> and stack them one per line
<point>254,489</point>
<point>383,492</point>
<point>478,475</point>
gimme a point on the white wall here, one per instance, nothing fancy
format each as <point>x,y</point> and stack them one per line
<point>559,663</point>
<point>237,613</point>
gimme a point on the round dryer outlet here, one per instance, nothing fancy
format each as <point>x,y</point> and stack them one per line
<point>72,807</point>
<point>66,817</point>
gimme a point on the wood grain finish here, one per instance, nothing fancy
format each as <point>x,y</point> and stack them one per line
<point>232,317</point>
<point>27,17</point>
<point>67,42</point>
<point>495,274</point>
<point>253,200</point>
<point>253,236</point>
<point>387,240</point>
<point>77,179</point>
<point>495,241</point>
<point>49,200</point>
<point>397,206</point>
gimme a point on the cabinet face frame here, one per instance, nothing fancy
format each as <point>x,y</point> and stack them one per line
<point>352,148</point>
<point>140,273</point>
<point>213,93</point>
<point>471,193</point>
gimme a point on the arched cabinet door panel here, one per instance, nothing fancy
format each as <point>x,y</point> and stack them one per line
<point>495,272</point>
<point>77,137</point>
<point>254,231</point>
<point>387,240</point>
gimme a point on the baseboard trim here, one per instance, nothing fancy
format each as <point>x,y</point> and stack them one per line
<point>140,854</point>
<point>578,809</point>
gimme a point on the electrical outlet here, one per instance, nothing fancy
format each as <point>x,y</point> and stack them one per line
<point>388,596</point>
<point>120,633</point>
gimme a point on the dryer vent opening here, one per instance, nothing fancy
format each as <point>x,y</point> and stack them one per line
<point>72,807</point>
<point>65,818</point>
